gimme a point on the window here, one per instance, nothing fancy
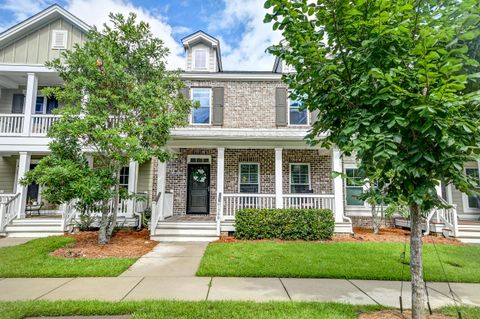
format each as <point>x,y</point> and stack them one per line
<point>123,178</point>
<point>354,186</point>
<point>297,114</point>
<point>299,178</point>
<point>200,59</point>
<point>45,105</point>
<point>201,115</point>
<point>473,200</point>
<point>59,39</point>
<point>249,178</point>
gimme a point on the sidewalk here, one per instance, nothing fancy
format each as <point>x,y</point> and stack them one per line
<point>168,272</point>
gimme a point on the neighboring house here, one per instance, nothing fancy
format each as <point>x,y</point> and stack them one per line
<point>244,146</point>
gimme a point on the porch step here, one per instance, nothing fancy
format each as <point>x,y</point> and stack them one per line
<point>34,228</point>
<point>469,233</point>
<point>185,231</point>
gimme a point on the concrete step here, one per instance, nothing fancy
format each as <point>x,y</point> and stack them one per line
<point>36,222</point>
<point>183,238</point>
<point>190,225</point>
<point>187,231</point>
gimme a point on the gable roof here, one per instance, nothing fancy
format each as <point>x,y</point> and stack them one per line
<point>34,22</point>
<point>203,36</point>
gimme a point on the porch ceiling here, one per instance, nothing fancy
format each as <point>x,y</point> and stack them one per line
<point>18,80</point>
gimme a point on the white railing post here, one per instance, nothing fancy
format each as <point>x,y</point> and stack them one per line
<point>30,101</point>
<point>278,178</point>
<point>338,186</point>
<point>161,188</point>
<point>23,168</point>
<point>132,186</point>
<point>220,179</point>
<point>2,216</point>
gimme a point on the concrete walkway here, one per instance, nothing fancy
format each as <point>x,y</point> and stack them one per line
<point>168,272</point>
<point>13,241</point>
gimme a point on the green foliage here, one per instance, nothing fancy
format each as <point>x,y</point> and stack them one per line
<point>395,83</point>
<point>288,224</point>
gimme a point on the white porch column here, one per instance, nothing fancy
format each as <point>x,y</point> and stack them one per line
<point>23,168</point>
<point>278,178</point>
<point>30,101</point>
<point>220,178</point>
<point>337,166</point>
<point>161,185</point>
<point>90,161</point>
<point>438,189</point>
<point>132,185</point>
<point>449,194</point>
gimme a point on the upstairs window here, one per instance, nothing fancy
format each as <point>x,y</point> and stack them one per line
<point>45,105</point>
<point>299,178</point>
<point>354,186</point>
<point>297,114</point>
<point>203,96</point>
<point>200,59</point>
<point>473,200</point>
<point>249,178</point>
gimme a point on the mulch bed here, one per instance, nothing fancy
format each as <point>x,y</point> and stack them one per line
<point>392,235</point>
<point>396,314</point>
<point>124,244</point>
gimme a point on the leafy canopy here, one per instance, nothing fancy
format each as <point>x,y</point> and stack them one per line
<point>389,81</point>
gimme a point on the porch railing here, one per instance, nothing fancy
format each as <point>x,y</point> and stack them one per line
<point>234,202</point>
<point>9,204</point>
<point>41,123</point>
<point>160,212</point>
<point>11,124</point>
<point>309,201</point>
<point>69,212</point>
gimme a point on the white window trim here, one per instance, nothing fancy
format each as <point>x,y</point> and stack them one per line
<point>466,208</point>
<point>365,188</point>
<point>189,159</point>
<point>290,177</point>
<point>288,115</point>
<point>210,107</point>
<point>194,62</point>
<point>65,46</point>
<point>240,175</point>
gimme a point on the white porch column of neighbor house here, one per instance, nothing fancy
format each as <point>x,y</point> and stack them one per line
<point>30,101</point>
<point>161,186</point>
<point>220,178</point>
<point>132,185</point>
<point>337,166</point>
<point>23,167</point>
<point>278,178</point>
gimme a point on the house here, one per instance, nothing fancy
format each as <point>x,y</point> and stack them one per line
<point>244,146</point>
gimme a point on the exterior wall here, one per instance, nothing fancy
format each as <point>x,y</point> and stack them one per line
<point>6,98</point>
<point>320,169</point>
<point>367,222</point>
<point>177,179</point>
<point>247,104</point>
<point>145,178</point>
<point>35,48</point>
<point>8,167</point>
<point>460,199</point>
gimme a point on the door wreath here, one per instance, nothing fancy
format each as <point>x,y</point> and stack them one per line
<point>200,176</point>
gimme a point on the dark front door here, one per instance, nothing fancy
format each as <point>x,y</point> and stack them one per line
<point>198,192</point>
<point>32,190</point>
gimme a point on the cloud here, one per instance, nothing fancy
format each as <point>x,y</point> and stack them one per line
<point>249,51</point>
<point>22,9</point>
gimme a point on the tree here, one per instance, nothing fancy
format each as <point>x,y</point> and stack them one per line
<point>388,79</point>
<point>119,104</point>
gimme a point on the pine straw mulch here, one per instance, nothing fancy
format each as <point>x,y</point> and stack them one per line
<point>395,235</point>
<point>396,314</point>
<point>124,244</point>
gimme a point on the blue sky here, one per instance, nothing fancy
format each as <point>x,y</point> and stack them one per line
<point>237,23</point>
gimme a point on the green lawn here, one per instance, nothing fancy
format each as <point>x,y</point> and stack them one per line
<point>32,260</point>
<point>198,310</point>
<point>335,260</point>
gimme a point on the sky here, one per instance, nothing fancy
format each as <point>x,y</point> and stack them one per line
<point>238,24</point>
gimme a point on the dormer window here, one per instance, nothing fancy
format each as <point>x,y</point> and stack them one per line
<point>200,59</point>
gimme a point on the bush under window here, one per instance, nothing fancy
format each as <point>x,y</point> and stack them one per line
<point>287,224</point>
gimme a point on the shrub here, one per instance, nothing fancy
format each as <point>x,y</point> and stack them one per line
<point>288,224</point>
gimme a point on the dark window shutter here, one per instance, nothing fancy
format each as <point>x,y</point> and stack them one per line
<point>281,107</point>
<point>314,116</point>
<point>217,111</point>
<point>17,103</point>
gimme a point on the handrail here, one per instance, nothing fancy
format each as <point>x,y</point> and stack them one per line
<point>309,195</point>
<point>154,219</point>
<point>219,215</point>
<point>68,213</point>
<point>448,215</point>
<point>9,211</point>
<point>248,195</point>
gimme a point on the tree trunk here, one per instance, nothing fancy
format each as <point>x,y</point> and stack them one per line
<point>416,265</point>
<point>375,220</point>
<point>102,232</point>
<point>116,201</point>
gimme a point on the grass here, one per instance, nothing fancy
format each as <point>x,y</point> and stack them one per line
<point>32,260</point>
<point>367,260</point>
<point>199,310</point>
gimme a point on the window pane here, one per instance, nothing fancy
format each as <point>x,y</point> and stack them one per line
<point>249,178</point>
<point>201,115</point>
<point>52,104</point>
<point>200,59</point>
<point>298,117</point>
<point>299,179</point>
<point>299,189</point>
<point>124,176</point>
<point>352,195</point>
<point>39,105</point>
<point>473,202</point>
<point>245,188</point>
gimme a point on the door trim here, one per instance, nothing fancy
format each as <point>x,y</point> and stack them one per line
<point>187,208</point>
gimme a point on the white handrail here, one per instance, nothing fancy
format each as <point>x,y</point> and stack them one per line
<point>309,201</point>
<point>41,123</point>
<point>11,124</point>
<point>219,216</point>
<point>234,202</point>
<point>69,212</point>
<point>8,209</point>
<point>159,211</point>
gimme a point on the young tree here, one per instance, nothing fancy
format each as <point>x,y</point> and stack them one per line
<point>388,79</point>
<point>119,103</point>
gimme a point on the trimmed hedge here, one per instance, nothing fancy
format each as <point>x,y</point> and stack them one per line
<point>287,224</point>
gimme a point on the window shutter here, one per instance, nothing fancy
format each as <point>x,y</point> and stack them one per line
<point>281,107</point>
<point>17,103</point>
<point>217,111</point>
<point>314,116</point>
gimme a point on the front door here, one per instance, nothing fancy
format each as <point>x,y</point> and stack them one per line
<point>198,192</point>
<point>33,190</point>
